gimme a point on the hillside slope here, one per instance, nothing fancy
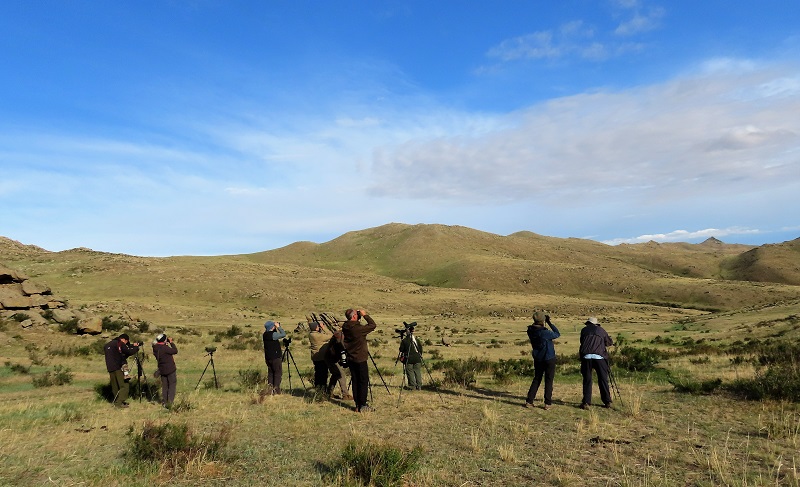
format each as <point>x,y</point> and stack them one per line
<point>459,257</point>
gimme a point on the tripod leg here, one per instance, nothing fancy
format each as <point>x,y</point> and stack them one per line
<point>204,373</point>
<point>214,369</point>
<point>379,373</point>
<point>288,368</point>
<point>431,378</point>
<point>291,356</point>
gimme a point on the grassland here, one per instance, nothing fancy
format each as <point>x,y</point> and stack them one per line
<point>474,435</point>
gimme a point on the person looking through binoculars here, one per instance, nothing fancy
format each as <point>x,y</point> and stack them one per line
<point>544,357</point>
<point>355,343</point>
<point>411,357</point>
<point>273,355</point>
<point>163,350</point>
<point>117,352</point>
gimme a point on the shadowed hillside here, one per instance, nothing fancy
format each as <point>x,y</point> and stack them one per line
<point>768,263</point>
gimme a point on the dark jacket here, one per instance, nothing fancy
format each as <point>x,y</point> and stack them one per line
<point>117,354</point>
<point>272,343</point>
<point>355,338</point>
<point>594,339</point>
<point>334,349</point>
<point>413,354</point>
<point>163,353</point>
<point>542,342</point>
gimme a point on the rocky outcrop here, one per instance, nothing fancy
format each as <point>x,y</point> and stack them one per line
<point>17,292</point>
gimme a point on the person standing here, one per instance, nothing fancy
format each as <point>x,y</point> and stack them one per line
<point>318,338</point>
<point>544,357</point>
<point>355,343</point>
<point>411,356</point>
<point>164,350</point>
<point>273,355</point>
<point>594,356</point>
<point>333,356</point>
<point>117,352</point>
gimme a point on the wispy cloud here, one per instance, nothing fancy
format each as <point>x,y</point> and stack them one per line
<point>571,39</point>
<point>578,39</point>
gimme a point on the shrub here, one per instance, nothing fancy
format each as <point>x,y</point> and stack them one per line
<point>18,368</point>
<point>19,317</point>
<point>638,359</point>
<point>504,370</point>
<point>462,372</point>
<point>60,376</point>
<point>70,326</point>
<point>174,444</point>
<point>778,376</point>
<point>114,325</point>
<point>251,378</point>
<point>376,464</point>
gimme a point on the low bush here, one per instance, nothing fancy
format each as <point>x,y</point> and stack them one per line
<point>778,376</point>
<point>174,445</point>
<point>463,372</point>
<point>375,464</point>
<point>638,359</point>
<point>70,326</point>
<point>59,377</point>
<point>505,370</point>
<point>251,378</point>
<point>18,368</point>
<point>19,317</point>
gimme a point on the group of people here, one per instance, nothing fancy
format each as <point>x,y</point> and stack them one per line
<point>593,354</point>
<point>117,352</point>
<point>332,350</point>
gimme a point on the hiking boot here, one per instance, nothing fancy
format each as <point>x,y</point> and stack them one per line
<point>365,409</point>
<point>608,405</point>
<point>584,405</point>
<point>528,405</point>
<point>121,405</point>
<point>347,397</point>
<point>546,407</point>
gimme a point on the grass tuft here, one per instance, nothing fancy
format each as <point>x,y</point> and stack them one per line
<point>368,463</point>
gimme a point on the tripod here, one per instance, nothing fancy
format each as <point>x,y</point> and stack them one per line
<point>412,343</point>
<point>139,374</point>
<point>613,381</point>
<point>210,354</point>
<point>287,355</point>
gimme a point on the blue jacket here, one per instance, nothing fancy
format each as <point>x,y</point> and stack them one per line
<point>542,342</point>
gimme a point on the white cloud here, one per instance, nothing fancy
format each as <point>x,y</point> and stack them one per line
<point>689,136</point>
<point>684,235</point>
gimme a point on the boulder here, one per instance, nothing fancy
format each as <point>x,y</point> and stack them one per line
<point>62,315</point>
<point>29,287</point>
<point>15,302</point>
<point>91,326</point>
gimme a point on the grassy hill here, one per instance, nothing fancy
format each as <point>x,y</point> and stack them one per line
<point>524,262</point>
<point>475,288</point>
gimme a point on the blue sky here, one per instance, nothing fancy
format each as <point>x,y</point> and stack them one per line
<point>222,127</point>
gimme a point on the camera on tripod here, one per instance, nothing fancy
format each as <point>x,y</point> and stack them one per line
<point>287,341</point>
<point>407,327</point>
<point>211,349</point>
